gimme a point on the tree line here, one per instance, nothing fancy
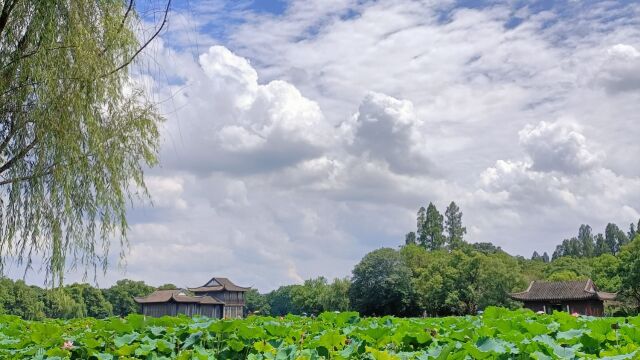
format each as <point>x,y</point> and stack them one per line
<point>586,244</point>
<point>437,272</point>
<point>72,301</point>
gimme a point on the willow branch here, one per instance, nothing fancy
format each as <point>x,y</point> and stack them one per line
<point>6,11</point>
<point>126,63</point>
<point>21,154</point>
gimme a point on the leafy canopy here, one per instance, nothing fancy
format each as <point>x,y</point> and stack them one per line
<point>75,132</point>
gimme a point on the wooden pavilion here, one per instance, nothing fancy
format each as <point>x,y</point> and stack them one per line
<point>218,298</point>
<point>580,296</point>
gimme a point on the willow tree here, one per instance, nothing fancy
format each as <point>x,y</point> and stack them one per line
<point>75,132</point>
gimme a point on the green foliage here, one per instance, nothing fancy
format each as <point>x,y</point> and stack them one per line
<point>381,284</point>
<point>497,334</point>
<point>461,282</point>
<point>256,302</point>
<point>281,301</point>
<point>431,230</point>
<point>453,226</point>
<point>629,271</point>
<point>604,272</point>
<point>336,296</point>
<point>410,238</point>
<point>167,287</point>
<point>94,302</point>
<point>59,304</point>
<point>122,293</point>
<point>75,132</point>
<point>308,297</point>
<point>19,299</point>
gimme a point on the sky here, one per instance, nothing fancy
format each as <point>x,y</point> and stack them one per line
<point>301,134</point>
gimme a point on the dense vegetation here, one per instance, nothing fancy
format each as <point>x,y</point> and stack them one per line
<point>496,334</point>
<point>436,272</point>
<point>76,133</point>
<point>71,301</point>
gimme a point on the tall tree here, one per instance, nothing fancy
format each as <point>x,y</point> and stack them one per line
<point>614,238</point>
<point>601,246</point>
<point>410,238</point>
<point>585,236</point>
<point>559,251</point>
<point>432,229</point>
<point>420,223</point>
<point>75,131</point>
<point>633,230</point>
<point>536,256</point>
<point>453,226</point>
<point>545,257</point>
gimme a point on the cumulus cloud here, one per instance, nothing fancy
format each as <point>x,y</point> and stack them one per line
<point>562,180</point>
<point>305,139</point>
<point>237,125</point>
<point>557,146</point>
<point>387,129</point>
<point>620,71</point>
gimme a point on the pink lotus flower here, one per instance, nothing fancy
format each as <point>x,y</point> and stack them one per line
<point>68,345</point>
<point>575,314</point>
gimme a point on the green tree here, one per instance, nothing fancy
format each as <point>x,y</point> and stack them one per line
<point>545,257</point>
<point>167,287</point>
<point>601,246</point>
<point>564,275</point>
<point>410,238</point>
<point>604,272</point>
<point>91,301</point>
<point>432,237</point>
<point>453,226</point>
<point>121,295</point>
<point>565,265</point>
<point>60,305</point>
<point>336,296</point>
<point>76,132</point>
<point>462,282</point>
<point>420,223</point>
<point>381,284</point>
<point>256,303</point>
<point>308,297</point>
<point>629,270</point>
<point>281,301</point>
<point>585,237</point>
<point>23,301</point>
<point>614,238</point>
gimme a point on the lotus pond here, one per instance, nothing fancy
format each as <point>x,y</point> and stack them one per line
<point>496,334</point>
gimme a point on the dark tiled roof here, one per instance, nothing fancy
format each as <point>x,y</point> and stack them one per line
<point>162,296</point>
<point>219,284</point>
<point>562,290</point>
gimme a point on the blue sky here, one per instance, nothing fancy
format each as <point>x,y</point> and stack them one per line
<point>301,135</point>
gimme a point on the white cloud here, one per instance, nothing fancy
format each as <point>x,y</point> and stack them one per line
<point>620,70</point>
<point>231,123</point>
<point>304,140</point>
<point>557,146</point>
<point>388,129</point>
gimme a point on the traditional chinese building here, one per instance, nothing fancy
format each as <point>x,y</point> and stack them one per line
<point>580,296</point>
<point>218,298</point>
